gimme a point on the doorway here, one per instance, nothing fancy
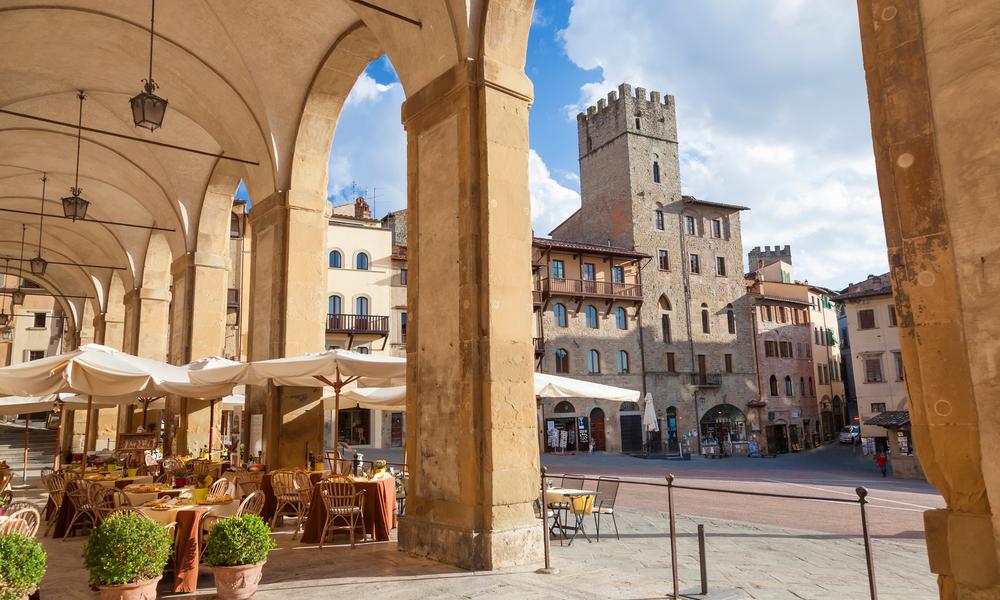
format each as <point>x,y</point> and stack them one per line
<point>354,426</point>
<point>396,430</point>
<point>673,444</point>
<point>597,429</point>
<point>631,433</point>
<point>777,439</point>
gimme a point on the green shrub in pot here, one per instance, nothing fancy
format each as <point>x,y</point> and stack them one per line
<point>236,548</point>
<point>126,550</point>
<point>22,565</point>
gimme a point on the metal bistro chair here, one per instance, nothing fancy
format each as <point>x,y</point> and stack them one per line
<point>607,493</point>
<point>77,494</point>
<point>287,497</point>
<point>342,503</point>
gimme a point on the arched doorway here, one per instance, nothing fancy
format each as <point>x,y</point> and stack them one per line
<point>630,418</point>
<point>565,432</point>
<point>597,429</point>
<point>721,427</point>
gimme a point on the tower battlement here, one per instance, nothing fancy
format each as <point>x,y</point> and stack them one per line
<point>759,258</point>
<point>627,110</point>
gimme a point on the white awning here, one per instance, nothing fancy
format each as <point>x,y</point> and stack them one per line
<point>307,370</point>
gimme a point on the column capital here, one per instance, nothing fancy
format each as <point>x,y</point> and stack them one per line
<point>197,259</point>
<point>147,294</point>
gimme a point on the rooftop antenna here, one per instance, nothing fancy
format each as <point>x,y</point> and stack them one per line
<point>373,200</point>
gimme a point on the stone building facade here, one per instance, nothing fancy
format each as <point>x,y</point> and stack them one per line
<point>695,329</point>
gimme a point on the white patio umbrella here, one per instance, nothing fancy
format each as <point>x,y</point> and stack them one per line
<point>95,370</point>
<point>649,422</point>
<point>335,368</point>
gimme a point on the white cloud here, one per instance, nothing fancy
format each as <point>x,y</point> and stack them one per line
<point>772,114</point>
<point>366,89</point>
<point>551,202</point>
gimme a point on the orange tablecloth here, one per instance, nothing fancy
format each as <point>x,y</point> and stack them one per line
<point>379,511</point>
<point>187,550</point>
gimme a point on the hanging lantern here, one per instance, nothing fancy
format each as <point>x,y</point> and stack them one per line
<point>75,207</point>
<point>148,109</point>
<point>38,265</point>
<point>4,319</point>
<point>7,333</point>
<point>16,297</point>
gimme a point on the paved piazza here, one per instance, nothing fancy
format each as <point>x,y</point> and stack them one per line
<point>756,547</point>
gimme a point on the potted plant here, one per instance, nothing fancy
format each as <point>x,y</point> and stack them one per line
<point>236,549</point>
<point>22,564</point>
<point>378,466</point>
<point>180,478</point>
<point>201,483</point>
<point>126,555</point>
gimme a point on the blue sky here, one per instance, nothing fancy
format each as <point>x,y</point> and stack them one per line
<point>772,114</point>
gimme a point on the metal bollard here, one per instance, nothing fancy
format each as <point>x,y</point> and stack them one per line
<point>673,535</point>
<point>869,560</point>
<point>547,569</point>
<point>701,560</point>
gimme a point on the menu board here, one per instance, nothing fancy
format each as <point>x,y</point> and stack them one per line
<point>136,442</point>
<point>582,432</point>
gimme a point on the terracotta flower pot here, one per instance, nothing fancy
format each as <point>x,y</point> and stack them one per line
<point>140,590</point>
<point>237,583</point>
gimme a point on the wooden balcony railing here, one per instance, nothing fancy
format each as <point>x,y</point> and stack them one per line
<point>706,379</point>
<point>539,344</point>
<point>372,324</point>
<point>583,287</point>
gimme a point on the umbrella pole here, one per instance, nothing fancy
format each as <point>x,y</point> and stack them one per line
<point>336,423</point>
<point>86,432</point>
<point>27,441</point>
<point>58,454</point>
<point>145,409</point>
<point>211,426</point>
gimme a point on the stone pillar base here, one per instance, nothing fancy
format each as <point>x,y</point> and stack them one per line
<point>471,549</point>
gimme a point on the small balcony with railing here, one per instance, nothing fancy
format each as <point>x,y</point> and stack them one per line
<point>706,380</point>
<point>587,288</point>
<point>371,325</point>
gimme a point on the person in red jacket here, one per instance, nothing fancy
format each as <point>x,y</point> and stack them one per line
<point>881,460</point>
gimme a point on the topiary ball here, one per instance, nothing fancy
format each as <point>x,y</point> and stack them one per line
<point>127,548</point>
<point>22,565</point>
<point>236,541</point>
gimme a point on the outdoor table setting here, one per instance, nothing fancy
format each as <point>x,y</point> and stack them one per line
<point>271,502</point>
<point>379,510</point>
<point>567,502</point>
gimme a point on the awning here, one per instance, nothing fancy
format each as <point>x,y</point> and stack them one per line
<point>890,418</point>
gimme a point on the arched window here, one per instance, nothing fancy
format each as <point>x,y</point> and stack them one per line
<point>665,319</point>
<point>565,407</point>
<point>788,386</point>
<point>361,305</point>
<point>802,386</point>
<point>629,407</point>
<point>591,314</point>
<point>593,361</point>
<point>334,305</point>
<point>361,261</point>
<point>622,361</point>
<point>559,313</point>
<point>562,361</point>
<point>656,172</point>
<point>704,319</point>
<point>621,318</point>
<point>774,385</point>
<point>812,388</point>
<point>336,259</point>
<point>731,318</point>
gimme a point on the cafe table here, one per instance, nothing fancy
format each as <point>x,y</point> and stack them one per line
<point>566,502</point>
<point>379,514</point>
<point>187,547</point>
<point>271,501</point>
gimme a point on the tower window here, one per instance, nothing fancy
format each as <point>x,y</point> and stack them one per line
<point>690,223</point>
<point>656,171</point>
<point>593,361</point>
<point>637,127</point>
<point>705,319</point>
<point>559,314</point>
<point>562,361</point>
<point>591,316</point>
<point>659,213</point>
<point>720,266</point>
<point>621,318</point>
<point>695,264</point>
<point>663,258</point>
<point>716,228</point>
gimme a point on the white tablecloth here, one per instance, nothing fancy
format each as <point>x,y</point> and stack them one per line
<point>167,517</point>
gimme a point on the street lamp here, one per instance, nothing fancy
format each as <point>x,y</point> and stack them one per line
<point>148,108</point>
<point>18,296</point>
<point>75,207</point>
<point>39,264</point>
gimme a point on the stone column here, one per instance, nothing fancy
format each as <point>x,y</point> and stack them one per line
<point>933,74</point>
<point>104,422</point>
<point>471,431</point>
<point>287,310</point>
<point>197,329</point>
<point>146,334</point>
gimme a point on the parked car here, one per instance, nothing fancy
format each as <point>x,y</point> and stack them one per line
<point>851,434</point>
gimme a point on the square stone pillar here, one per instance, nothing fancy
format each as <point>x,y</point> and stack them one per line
<point>287,318</point>
<point>933,75</point>
<point>471,428</point>
<point>197,329</point>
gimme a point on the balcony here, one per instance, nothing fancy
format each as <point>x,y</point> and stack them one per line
<point>579,288</point>
<point>706,380</point>
<point>375,325</point>
<point>539,344</point>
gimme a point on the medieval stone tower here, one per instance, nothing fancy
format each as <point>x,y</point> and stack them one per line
<point>696,332</point>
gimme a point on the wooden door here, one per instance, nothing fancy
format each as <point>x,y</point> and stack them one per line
<point>597,429</point>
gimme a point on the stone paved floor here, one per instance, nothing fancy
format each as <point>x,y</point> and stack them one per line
<point>744,561</point>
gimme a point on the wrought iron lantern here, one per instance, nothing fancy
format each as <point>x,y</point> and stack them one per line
<point>4,319</point>
<point>7,333</point>
<point>39,264</point>
<point>75,207</point>
<point>16,297</point>
<point>148,109</point>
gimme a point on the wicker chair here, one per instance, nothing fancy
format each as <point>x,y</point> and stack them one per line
<point>252,505</point>
<point>56,486</point>
<point>219,488</point>
<point>287,496</point>
<point>23,520</point>
<point>77,492</point>
<point>5,476</point>
<point>342,503</point>
<point>171,464</point>
<point>248,487</point>
<point>127,510</point>
<point>46,471</point>
<point>107,501</point>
